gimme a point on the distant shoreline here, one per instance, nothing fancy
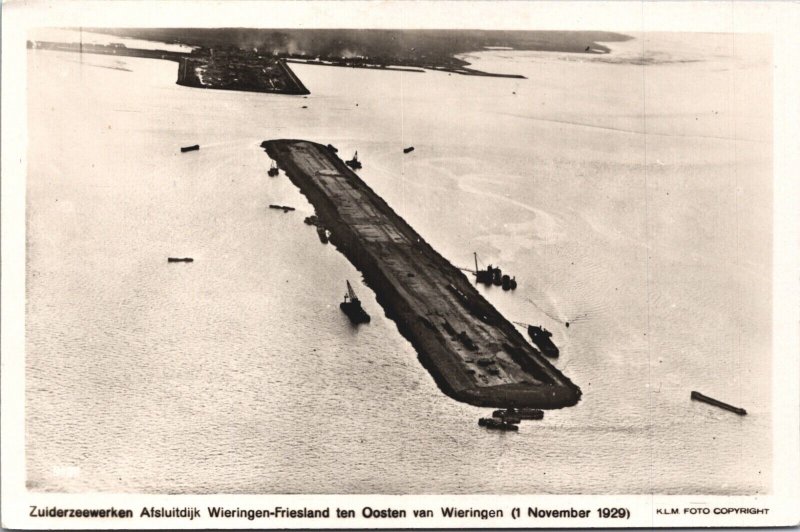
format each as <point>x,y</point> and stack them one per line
<point>402,50</point>
<point>236,71</point>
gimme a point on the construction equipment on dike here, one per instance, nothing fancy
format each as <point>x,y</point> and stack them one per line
<point>434,305</point>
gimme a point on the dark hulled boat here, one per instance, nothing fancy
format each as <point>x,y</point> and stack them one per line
<point>697,396</point>
<point>352,307</point>
<point>505,416</point>
<point>541,337</point>
<point>518,413</point>
<point>190,148</point>
<point>496,424</point>
<point>354,163</point>
<point>408,150</point>
<point>176,259</point>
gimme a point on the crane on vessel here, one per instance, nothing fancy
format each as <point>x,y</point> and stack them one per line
<point>491,276</point>
<point>351,294</point>
<point>352,307</point>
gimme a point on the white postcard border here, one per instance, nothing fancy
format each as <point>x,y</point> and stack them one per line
<point>775,18</point>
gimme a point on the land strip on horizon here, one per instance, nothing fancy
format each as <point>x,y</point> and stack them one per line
<point>235,70</point>
<point>437,50</point>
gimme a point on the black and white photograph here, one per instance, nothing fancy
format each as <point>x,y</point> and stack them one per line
<point>357,249</point>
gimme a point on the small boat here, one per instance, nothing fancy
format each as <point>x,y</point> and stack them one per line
<point>408,150</point>
<point>190,148</point>
<point>283,208</point>
<point>496,424</point>
<point>333,148</point>
<point>354,163</point>
<point>541,337</point>
<point>521,413</point>
<point>176,259</point>
<point>352,307</point>
<point>322,233</point>
<point>273,169</point>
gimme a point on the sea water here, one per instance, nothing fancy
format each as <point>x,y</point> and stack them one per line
<point>629,193</point>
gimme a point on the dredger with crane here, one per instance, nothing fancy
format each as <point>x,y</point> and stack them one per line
<point>352,307</point>
<point>491,276</point>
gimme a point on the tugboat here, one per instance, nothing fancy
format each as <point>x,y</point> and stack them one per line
<point>352,307</point>
<point>518,413</point>
<point>541,337</point>
<point>496,424</point>
<point>354,163</point>
<point>273,169</point>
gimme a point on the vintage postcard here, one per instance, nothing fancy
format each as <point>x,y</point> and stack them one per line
<point>399,264</point>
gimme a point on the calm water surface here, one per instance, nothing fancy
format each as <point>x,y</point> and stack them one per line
<point>633,201</point>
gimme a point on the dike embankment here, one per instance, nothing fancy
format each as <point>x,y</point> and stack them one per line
<point>474,353</point>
